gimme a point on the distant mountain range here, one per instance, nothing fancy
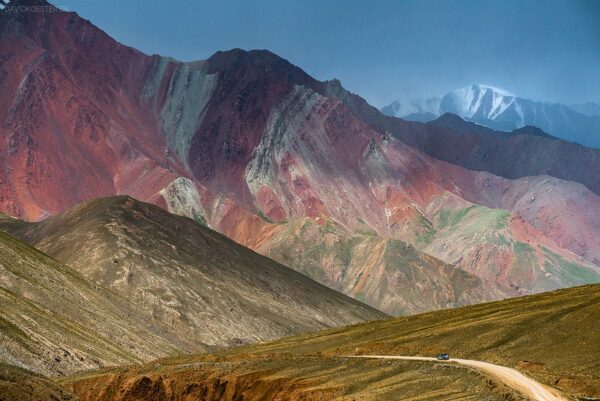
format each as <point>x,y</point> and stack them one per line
<point>501,110</point>
<point>403,216</point>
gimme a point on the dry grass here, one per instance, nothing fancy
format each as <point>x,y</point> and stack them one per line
<point>553,337</point>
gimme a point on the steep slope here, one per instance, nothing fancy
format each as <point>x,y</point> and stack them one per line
<point>381,272</point>
<point>54,321</point>
<point>384,273</point>
<point>503,248</point>
<point>477,149</point>
<point>197,282</point>
<point>480,237</point>
<point>70,113</point>
<point>245,142</point>
<point>526,152</point>
<point>504,111</point>
<point>551,337</point>
<point>381,184</point>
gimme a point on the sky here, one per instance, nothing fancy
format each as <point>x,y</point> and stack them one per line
<point>381,49</point>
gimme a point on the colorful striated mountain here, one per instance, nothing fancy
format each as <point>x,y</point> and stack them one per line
<point>255,148</point>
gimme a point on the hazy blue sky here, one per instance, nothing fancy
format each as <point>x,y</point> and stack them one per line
<point>382,50</point>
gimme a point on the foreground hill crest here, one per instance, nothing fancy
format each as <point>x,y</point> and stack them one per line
<point>252,146</point>
<point>190,288</point>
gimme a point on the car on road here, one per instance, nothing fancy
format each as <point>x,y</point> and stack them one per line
<point>443,357</point>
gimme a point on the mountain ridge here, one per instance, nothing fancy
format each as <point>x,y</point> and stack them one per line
<point>504,111</point>
<point>192,289</point>
<point>248,144</point>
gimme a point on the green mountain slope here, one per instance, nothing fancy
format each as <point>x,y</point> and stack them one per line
<point>54,321</point>
<point>552,337</point>
<point>385,273</point>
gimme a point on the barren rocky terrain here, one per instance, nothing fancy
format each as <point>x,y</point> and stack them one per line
<point>130,282</point>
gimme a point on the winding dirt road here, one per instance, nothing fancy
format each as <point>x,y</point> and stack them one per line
<point>511,377</point>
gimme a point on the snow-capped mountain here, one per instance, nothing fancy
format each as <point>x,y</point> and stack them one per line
<point>502,110</point>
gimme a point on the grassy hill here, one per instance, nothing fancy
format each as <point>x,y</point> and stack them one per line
<point>552,337</point>
<point>142,283</point>
<point>18,384</point>
<point>54,321</point>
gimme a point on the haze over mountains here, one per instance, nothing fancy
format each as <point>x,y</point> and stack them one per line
<point>258,150</point>
<point>504,111</point>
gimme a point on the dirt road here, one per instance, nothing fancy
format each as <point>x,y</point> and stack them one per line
<point>511,377</point>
